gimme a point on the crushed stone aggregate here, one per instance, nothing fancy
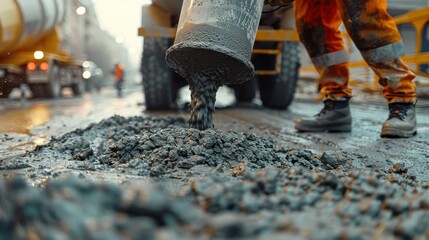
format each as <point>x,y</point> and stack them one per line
<point>230,185</point>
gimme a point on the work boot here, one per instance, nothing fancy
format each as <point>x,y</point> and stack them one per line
<point>334,117</point>
<point>401,122</point>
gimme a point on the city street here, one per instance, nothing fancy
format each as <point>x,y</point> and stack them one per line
<point>177,119</point>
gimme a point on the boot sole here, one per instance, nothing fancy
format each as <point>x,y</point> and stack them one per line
<point>333,129</point>
<point>394,133</point>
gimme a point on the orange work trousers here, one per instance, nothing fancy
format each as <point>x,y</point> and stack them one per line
<point>373,31</point>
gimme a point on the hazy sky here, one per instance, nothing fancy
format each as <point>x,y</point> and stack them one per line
<point>122,18</point>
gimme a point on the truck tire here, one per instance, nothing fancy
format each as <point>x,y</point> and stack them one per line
<point>157,76</point>
<point>278,91</point>
<point>245,92</point>
<point>9,82</point>
<point>51,89</point>
<point>5,90</point>
<point>78,87</point>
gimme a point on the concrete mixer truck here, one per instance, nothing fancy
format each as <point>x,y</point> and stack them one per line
<point>275,56</point>
<point>43,44</point>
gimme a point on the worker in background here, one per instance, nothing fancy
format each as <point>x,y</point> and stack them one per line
<point>119,78</point>
<point>376,36</point>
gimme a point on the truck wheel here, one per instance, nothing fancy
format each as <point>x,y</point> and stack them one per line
<point>245,92</point>
<point>278,91</point>
<point>5,90</point>
<point>78,86</point>
<point>52,89</point>
<point>176,84</point>
<point>9,82</point>
<point>157,76</point>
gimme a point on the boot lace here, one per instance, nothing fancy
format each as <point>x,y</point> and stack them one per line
<point>322,112</point>
<point>329,105</point>
<point>398,111</point>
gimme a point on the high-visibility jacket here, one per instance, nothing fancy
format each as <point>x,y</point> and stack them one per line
<point>119,72</point>
<point>373,31</point>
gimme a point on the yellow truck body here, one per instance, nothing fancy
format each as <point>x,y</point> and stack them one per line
<point>275,56</point>
<point>43,43</point>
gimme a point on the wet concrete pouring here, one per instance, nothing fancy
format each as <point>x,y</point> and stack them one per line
<point>152,177</point>
<point>203,98</point>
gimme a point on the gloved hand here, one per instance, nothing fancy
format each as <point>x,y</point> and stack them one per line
<point>280,3</point>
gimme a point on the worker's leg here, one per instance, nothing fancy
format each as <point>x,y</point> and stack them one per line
<point>317,23</point>
<point>375,34</point>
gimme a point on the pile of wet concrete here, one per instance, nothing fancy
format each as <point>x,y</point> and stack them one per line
<point>231,185</point>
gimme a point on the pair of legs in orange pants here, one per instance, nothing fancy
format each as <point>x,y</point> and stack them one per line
<point>376,36</point>
<point>374,33</point>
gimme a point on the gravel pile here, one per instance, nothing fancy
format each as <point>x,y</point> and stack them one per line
<point>166,147</point>
<point>319,205</point>
<point>234,185</point>
<point>72,208</point>
<point>99,136</point>
<point>80,149</point>
<point>247,204</point>
<point>166,151</point>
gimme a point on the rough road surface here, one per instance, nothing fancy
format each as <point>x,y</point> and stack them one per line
<point>253,177</point>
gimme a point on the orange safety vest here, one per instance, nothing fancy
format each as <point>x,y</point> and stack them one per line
<point>119,72</point>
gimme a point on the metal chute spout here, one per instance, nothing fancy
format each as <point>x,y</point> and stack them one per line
<point>216,36</point>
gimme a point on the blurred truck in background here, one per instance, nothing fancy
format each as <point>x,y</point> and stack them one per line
<point>43,43</point>
<point>93,76</point>
<point>276,57</point>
